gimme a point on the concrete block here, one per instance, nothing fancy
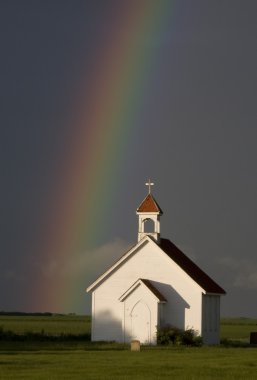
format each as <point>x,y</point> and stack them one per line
<point>135,345</point>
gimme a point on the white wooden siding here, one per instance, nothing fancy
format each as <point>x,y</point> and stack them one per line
<point>211,318</point>
<point>184,296</point>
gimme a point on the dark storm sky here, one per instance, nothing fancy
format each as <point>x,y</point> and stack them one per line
<point>196,138</point>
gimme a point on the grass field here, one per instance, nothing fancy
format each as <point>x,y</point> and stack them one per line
<point>157,363</point>
<point>237,328</point>
<point>77,360</point>
<point>231,328</point>
<point>55,324</point>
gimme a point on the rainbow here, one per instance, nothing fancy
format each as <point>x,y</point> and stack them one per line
<point>102,118</point>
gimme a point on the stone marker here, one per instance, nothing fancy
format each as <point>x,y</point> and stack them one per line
<point>253,338</point>
<point>135,345</point>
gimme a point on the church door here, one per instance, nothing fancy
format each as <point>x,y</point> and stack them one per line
<point>140,323</point>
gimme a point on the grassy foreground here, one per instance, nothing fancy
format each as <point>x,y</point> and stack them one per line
<point>150,363</point>
<point>79,359</point>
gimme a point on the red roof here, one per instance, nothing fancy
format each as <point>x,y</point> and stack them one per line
<point>150,287</point>
<point>190,267</point>
<point>149,204</point>
<point>154,290</point>
<point>187,265</point>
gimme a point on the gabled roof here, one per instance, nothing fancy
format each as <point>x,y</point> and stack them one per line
<point>149,286</point>
<point>154,290</point>
<point>149,204</point>
<point>175,254</point>
<point>197,274</point>
<point>133,250</point>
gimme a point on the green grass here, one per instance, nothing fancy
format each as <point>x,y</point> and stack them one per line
<point>55,324</point>
<point>81,359</point>
<point>231,328</point>
<point>237,328</point>
<point>150,363</point>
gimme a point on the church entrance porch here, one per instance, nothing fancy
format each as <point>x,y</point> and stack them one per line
<point>141,312</point>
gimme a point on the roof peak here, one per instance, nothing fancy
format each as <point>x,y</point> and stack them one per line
<point>150,205</point>
<point>176,255</point>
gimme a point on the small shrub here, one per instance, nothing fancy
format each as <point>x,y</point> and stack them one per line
<point>173,335</point>
<point>168,335</point>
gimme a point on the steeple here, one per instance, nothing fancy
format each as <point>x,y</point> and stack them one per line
<point>149,213</point>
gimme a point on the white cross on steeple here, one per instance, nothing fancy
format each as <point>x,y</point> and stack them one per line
<point>149,184</point>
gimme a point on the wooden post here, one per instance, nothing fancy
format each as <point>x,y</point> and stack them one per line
<point>253,338</point>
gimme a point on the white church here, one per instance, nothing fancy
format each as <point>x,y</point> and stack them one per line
<point>152,285</point>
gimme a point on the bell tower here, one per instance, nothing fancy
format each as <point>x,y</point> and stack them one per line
<point>149,213</point>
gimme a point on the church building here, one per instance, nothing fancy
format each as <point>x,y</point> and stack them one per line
<point>153,285</point>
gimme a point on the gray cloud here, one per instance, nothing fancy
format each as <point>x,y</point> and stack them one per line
<point>97,260</point>
<point>91,262</point>
<point>243,272</point>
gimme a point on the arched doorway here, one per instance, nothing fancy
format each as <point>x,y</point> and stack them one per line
<point>141,322</point>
